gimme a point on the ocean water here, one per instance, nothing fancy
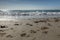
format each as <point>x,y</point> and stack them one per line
<point>17,14</point>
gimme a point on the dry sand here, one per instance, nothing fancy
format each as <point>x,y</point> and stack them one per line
<point>30,29</point>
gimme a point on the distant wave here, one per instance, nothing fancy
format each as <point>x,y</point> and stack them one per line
<point>29,13</point>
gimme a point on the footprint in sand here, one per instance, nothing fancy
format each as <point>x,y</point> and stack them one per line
<point>3,26</point>
<point>11,28</point>
<point>32,31</point>
<point>43,21</point>
<point>44,28</point>
<point>36,21</point>
<point>2,34</point>
<point>2,30</point>
<point>57,20</point>
<point>16,24</point>
<point>9,36</point>
<point>34,38</point>
<point>23,34</point>
<point>45,32</point>
<point>29,24</point>
<point>40,21</point>
<point>49,24</point>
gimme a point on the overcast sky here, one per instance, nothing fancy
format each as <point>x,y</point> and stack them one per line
<point>29,4</point>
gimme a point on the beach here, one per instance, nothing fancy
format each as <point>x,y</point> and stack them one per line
<point>30,29</point>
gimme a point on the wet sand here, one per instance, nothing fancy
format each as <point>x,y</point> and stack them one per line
<point>30,29</point>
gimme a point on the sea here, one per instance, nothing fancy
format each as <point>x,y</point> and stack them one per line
<point>26,14</point>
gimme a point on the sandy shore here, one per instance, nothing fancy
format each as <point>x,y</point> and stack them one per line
<point>30,29</point>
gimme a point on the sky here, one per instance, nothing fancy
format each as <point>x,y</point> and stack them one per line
<point>29,4</point>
